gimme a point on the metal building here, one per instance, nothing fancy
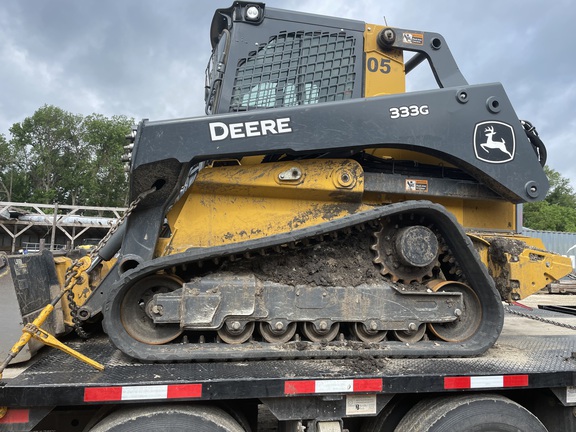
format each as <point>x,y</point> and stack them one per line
<point>563,243</point>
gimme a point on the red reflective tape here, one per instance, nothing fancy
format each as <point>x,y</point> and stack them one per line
<point>110,394</point>
<point>184,391</point>
<point>14,416</point>
<point>332,386</point>
<point>102,394</point>
<point>462,382</point>
<point>299,387</point>
<point>367,385</point>
<point>491,381</point>
<point>515,380</point>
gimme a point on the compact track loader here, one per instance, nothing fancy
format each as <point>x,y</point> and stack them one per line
<point>321,211</point>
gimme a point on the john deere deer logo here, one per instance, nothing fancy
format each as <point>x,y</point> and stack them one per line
<point>494,142</point>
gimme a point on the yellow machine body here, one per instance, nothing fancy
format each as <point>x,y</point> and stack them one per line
<point>238,203</point>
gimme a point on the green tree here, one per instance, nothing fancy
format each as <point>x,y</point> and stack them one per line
<point>5,166</point>
<point>57,156</point>
<point>47,147</point>
<point>107,138</point>
<point>557,212</point>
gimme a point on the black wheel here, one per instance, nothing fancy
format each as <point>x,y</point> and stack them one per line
<point>469,319</point>
<point>469,413</point>
<point>136,313</point>
<point>390,415</point>
<point>197,418</point>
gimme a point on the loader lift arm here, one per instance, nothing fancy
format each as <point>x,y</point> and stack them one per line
<point>447,132</point>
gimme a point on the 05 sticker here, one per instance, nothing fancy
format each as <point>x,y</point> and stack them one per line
<point>409,111</point>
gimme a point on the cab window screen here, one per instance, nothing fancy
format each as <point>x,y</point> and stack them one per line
<point>295,69</point>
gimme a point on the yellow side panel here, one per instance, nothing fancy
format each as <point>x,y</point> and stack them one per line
<point>400,155</point>
<point>489,215</point>
<point>471,214</point>
<point>233,204</point>
<point>384,70</point>
<point>480,214</point>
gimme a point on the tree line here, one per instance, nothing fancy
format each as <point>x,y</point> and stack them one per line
<point>557,212</point>
<point>56,156</point>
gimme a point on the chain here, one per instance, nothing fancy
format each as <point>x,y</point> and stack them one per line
<point>537,318</point>
<point>71,272</point>
<point>72,279</point>
<point>74,314</point>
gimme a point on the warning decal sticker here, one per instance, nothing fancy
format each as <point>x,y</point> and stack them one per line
<point>413,38</point>
<point>414,185</point>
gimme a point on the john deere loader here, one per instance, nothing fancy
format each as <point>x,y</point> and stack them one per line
<point>319,210</point>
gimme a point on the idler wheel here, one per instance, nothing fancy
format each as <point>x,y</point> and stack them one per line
<point>137,310</point>
<point>468,320</point>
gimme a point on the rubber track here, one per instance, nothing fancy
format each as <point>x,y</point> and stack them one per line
<point>460,245</point>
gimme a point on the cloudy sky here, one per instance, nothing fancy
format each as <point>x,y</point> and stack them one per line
<point>146,58</point>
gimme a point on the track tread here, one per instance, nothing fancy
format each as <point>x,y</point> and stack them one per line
<point>459,244</point>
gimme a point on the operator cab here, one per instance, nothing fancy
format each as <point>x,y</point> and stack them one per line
<point>270,58</point>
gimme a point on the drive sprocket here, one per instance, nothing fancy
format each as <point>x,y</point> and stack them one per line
<point>407,250</point>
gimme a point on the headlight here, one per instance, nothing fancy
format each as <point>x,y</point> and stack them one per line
<point>253,13</point>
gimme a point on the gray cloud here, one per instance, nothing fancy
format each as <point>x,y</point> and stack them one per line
<point>146,59</point>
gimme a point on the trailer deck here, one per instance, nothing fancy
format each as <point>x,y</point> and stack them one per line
<point>529,354</point>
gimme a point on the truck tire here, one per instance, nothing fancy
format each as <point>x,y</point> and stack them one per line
<point>389,417</point>
<point>469,413</point>
<point>166,418</point>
